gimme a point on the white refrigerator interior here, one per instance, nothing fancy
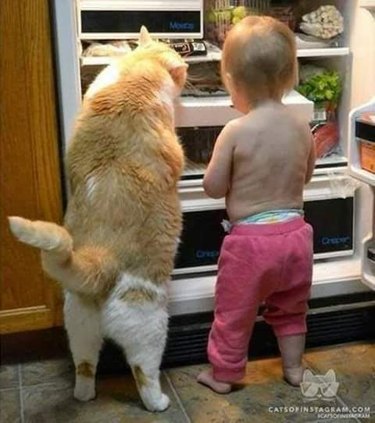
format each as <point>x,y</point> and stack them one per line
<point>337,271</point>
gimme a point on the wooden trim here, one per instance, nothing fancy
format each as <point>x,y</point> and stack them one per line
<point>30,175</point>
<point>39,317</point>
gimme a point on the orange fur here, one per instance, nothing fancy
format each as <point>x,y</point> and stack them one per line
<point>123,165</point>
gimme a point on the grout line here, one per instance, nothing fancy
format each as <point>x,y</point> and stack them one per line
<point>178,399</point>
<point>21,394</point>
<point>62,384</point>
<point>15,388</point>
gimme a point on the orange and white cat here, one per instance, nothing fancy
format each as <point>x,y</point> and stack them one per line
<point>115,253</point>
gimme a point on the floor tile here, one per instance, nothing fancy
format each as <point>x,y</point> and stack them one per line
<point>117,402</point>
<point>9,377</point>
<point>263,396</point>
<point>59,371</point>
<point>10,410</point>
<point>354,367</point>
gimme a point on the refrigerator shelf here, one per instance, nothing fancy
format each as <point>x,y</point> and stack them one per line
<point>217,111</point>
<point>195,171</point>
<point>368,4</point>
<point>216,56</point>
<point>106,60</point>
<point>330,163</point>
<point>331,277</point>
<point>323,52</point>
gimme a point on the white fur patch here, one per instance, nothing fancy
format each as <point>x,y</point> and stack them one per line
<point>129,281</point>
<point>83,323</point>
<point>110,75</point>
<point>166,96</point>
<point>91,185</point>
<point>141,330</point>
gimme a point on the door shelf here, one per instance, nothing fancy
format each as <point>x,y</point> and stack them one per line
<point>363,175</point>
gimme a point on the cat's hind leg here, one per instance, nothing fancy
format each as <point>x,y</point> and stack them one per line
<point>83,324</point>
<point>137,320</point>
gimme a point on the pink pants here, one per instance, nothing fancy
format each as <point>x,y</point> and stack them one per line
<point>259,263</point>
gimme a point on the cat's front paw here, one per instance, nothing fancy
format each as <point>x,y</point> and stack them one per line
<point>84,391</point>
<point>160,405</point>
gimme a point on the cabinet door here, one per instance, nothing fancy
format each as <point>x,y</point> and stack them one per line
<point>30,184</point>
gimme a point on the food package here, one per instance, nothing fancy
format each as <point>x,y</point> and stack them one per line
<point>221,15</point>
<point>365,135</point>
<point>284,14</point>
<point>325,22</point>
<point>323,87</point>
<point>114,48</point>
<point>309,70</point>
<point>304,41</point>
<point>326,136</point>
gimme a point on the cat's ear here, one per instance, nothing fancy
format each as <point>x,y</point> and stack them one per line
<point>178,74</point>
<point>308,376</point>
<point>176,67</point>
<point>330,376</point>
<point>144,36</point>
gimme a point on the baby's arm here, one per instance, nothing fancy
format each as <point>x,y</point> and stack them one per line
<point>216,180</point>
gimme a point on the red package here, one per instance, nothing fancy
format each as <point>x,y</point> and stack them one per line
<point>326,137</point>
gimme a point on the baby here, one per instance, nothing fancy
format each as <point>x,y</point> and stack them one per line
<point>260,164</point>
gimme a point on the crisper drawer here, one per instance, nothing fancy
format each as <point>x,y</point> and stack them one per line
<point>331,218</point>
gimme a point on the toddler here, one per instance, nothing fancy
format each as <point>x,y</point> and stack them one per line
<point>260,164</point>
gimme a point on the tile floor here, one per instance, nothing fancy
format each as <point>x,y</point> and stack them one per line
<point>42,392</point>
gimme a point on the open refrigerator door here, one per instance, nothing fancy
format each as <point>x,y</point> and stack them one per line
<point>362,167</point>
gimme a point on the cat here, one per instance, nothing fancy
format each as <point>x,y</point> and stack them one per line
<point>115,253</point>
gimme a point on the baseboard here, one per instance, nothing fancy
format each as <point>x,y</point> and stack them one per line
<point>336,321</point>
<point>331,321</point>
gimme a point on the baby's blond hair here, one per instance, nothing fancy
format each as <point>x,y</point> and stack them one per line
<point>259,56</point>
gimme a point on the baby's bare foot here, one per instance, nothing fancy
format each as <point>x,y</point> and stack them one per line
<point>206,378</point>
<point>293,375</point>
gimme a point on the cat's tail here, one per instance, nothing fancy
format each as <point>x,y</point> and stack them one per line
<point>44,235</point>
<point>89,270</point>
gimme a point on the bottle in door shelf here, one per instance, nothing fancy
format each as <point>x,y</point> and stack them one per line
<point>365,135</point>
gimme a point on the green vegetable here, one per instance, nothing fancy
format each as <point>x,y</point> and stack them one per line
<point>325,86</point>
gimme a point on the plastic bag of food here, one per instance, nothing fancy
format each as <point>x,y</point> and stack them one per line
<point>326,136</point>
<point>325,22</point>
<point>114,48</point>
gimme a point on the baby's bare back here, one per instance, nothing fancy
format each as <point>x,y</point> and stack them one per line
<point>272,161</point>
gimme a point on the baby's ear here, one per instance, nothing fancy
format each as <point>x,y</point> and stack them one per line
<point>228,81</point>
<point>144,36</point>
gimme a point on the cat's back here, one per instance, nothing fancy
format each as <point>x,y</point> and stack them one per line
<point>125,160</point>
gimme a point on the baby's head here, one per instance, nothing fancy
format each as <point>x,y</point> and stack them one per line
<point>259,60</point>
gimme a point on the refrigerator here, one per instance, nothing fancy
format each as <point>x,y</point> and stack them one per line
<point>338,202</point>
